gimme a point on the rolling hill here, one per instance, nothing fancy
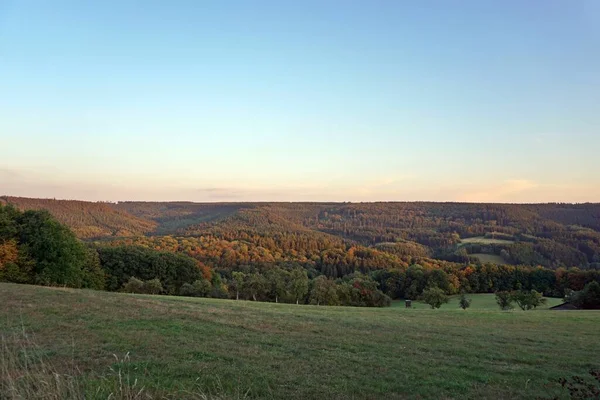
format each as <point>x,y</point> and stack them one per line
<point>87,219</point>
<point>551,235</point>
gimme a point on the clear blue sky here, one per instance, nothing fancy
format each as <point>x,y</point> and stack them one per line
<point>300,100</point>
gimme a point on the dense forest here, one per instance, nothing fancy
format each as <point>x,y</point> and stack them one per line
<point>87,219</point>
<point>550,235</point>
<point>322,253</point>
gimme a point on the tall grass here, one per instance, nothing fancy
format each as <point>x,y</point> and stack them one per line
<point>25,373</point>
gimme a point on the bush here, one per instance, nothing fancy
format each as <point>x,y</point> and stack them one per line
<point>187,289</point>
<point>434,296</point>
<point>504,300</point>
<point>361,291</point>
<point>381,299</point>
<point>134,285</point>
<point>152,286</point>
<point>202,288</point>
<point>528,299</point>
<point>464,303</point>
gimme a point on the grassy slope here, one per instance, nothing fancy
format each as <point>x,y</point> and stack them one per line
<point>484,240</point>
<point>489,258</point>
<point>479,302</point>
<point>289,351</point>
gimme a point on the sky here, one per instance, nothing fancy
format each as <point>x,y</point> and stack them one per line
<point>313,100</point>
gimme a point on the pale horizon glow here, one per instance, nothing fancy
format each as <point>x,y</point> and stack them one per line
<point>464,101</point>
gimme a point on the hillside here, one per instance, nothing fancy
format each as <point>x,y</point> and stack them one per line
<point>189,348</point>
<point>551,235</point>
<point>86,219</point>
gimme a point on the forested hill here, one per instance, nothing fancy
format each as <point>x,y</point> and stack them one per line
<point>551,235</point>
<point>87,219</point>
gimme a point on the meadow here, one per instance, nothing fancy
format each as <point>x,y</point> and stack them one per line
<point>484,240</point>
<point>489,258</point>
<point>208,348</point>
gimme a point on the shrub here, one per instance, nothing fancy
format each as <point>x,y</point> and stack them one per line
<point>528,299</point>
<point>381,299</point>
<point>434,296</point>
<point>504,300</point>
<point>360,291</point>
<point>202,288</point>
<point>153,286</point>
<point>134,285</point>
<point>187,289</point>
<point>464,303</point>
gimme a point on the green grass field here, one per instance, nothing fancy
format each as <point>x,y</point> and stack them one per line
<point>479,302</point>
<point>264,350</point>
<point>489,258</point>
<point>484,240</point>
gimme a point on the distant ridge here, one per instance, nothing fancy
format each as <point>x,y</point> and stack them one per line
<point>551,235</point>
<point>87,219</point>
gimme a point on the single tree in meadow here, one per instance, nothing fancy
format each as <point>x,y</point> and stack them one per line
<point>434,296</point>
<point>504,300</point>
<point>528,299</point>
<point>463,302</point>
